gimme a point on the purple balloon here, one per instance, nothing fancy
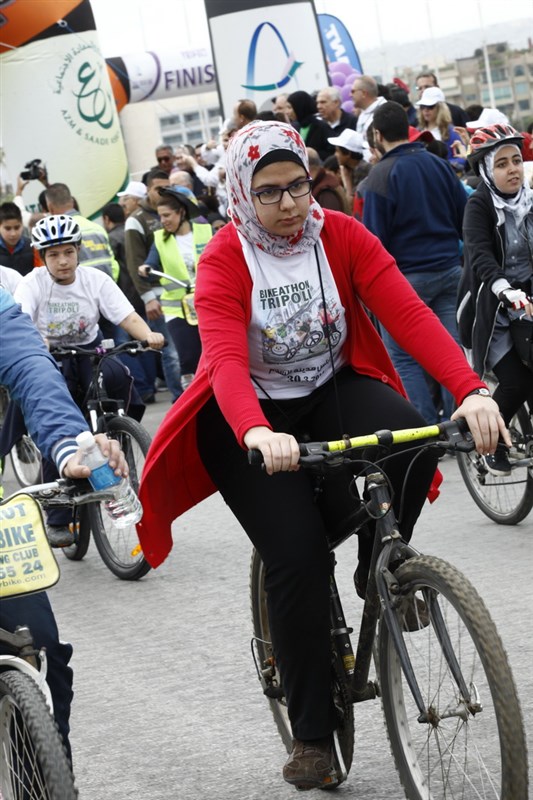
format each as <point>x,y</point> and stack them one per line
<point>346,91</point>
<point>347,106</point>
<point>350,78</point>
<point>337,78</point>
<point>340,66</point>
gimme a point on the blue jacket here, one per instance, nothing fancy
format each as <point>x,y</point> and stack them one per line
<point>414,204</point>
<point>36,385</point>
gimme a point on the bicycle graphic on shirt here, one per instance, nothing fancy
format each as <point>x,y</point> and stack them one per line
<point>301,334</point>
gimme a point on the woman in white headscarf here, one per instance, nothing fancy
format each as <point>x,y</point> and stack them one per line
<point>288,350</point>
<point>498,274</point>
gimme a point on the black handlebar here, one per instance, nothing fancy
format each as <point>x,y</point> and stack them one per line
<point>453,436</point>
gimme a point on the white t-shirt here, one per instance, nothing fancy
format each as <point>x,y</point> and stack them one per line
<point>9,279</point>
<point>69,314</point>
<point>186,247</point>
<point>288,334</point>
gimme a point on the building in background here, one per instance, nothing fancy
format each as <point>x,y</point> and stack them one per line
<point>464,81</point>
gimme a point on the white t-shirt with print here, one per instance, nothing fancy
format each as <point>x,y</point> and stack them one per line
<point>289,331</point>
<point>69,314</point>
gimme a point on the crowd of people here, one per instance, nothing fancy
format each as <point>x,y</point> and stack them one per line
<point>307,271</point>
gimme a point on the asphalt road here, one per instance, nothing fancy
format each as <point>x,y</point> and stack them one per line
<point>167,704</point>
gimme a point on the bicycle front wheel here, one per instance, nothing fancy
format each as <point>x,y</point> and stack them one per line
<point>26,461</point>
<point>506,500</point>
<point>82,537</point>
<point>467,748</point>
<point>33,761</point>
<point>119,548</point>
<point>266,662</point>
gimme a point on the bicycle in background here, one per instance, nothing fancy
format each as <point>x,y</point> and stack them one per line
<point>119,548</point>
<point>508,499</point>
<point>24,455</point>
<point>450,704</point>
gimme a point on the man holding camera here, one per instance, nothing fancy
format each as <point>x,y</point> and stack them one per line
<point>33,171</point>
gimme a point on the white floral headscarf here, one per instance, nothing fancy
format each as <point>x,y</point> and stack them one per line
<point>246,147</point>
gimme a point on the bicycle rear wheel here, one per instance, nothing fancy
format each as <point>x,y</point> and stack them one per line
<point>462,751</point>
<point>267,664</point>
<point>506,500</point>
<point>119,548</point>
<point>26,461</point>
<point>33,760</point>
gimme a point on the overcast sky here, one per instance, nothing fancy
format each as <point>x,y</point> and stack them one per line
<point>127,26</point>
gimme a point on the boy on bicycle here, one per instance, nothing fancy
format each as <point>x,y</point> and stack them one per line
<point>65,301</point>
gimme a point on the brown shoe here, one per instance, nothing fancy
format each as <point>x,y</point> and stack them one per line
<point>311,765</point>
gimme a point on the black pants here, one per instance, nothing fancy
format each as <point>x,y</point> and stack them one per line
<point>187,342</point>
<point>515,384</point>
<point>287,526</point>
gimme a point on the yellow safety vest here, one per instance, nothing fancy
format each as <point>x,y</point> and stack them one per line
<point>96,250</point>
<point>173,264</point>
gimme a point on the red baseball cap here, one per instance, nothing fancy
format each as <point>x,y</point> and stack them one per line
<point>419,136</point>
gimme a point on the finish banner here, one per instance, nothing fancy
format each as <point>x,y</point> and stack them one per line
<point>58,103</point>
<point>279,49</point>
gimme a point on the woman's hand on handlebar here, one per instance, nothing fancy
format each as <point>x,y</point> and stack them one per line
<point>110,448</point>
<point>485,422</point>
<point>280,450</point>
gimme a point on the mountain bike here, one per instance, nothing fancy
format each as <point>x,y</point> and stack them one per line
<point>119,548</point>
<point>34,764</point>
<point>24,455</point>
<point>507,499</point>
<point>450,704</point>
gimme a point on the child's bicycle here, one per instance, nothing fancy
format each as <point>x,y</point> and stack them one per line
<point>33,761</point>
<point>508,499</point>
<point>450,704</point>
<point>119,548</point>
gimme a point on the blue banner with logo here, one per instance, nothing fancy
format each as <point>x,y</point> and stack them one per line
<point>337,42</point>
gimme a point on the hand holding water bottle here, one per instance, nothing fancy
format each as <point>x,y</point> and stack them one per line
<point>76,469</point>
<point>125,508</point>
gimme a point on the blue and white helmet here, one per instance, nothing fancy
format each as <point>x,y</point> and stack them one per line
<point>53,230</point>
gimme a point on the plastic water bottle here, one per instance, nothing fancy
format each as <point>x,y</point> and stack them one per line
<point>125,508</point>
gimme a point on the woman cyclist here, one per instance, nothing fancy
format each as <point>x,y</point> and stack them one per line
<point>497,284</point>
<point>176,250</point>
<point>284,256</point>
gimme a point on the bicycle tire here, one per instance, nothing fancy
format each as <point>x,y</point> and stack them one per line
<point>82,537</point>
<point>278,706</point>
<point>34,763</point>
<point>506,500</point>
<point>119,548</point>
<point>478,755</point>
<point>26,461</point>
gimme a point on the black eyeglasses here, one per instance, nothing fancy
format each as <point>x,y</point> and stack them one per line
<point>268,197</point>
<point>163,158</point>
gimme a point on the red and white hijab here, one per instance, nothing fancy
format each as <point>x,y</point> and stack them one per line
<point>246,148</point>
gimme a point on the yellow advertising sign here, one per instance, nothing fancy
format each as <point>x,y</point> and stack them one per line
<point>27,563</point>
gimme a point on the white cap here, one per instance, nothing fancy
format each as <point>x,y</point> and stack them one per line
<point>85,439</point>
<point>431,96</point>
<point>489,116</point>
<point>350,140</point>
<point>134,189</point>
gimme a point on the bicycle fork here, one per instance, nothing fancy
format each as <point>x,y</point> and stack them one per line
<point>389,595</point>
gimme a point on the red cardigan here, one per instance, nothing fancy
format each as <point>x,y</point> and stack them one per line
<point>174,478</point>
